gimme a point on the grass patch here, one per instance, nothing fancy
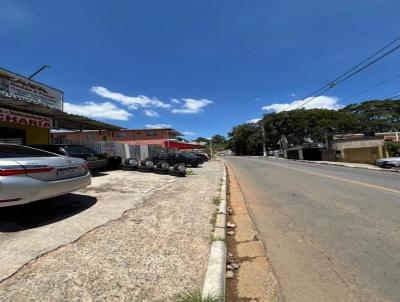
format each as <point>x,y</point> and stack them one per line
<point>216,200</point>
<point>213,218</point>
<point>195,296</point>
<point>217,238</point>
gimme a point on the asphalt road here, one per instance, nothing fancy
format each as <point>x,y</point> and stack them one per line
<point>331,233</point>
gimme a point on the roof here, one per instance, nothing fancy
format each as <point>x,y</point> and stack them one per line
<point>182,145</point>
<point>166,143</point>
<point>171,130</point>
<point>64,120</point>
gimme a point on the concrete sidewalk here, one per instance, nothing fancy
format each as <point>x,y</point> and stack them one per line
<point>157,247</point>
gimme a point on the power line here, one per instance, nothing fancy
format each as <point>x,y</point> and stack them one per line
<point>397,96</point>
<point>351,72</point>
<point>353,68</point>
<point>375,85</point>
<point>391,96</point>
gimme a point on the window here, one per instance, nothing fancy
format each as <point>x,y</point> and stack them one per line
<point>151,133</point>
<point>120,134</point>
<point>13,151</point>
<point>78,149</point>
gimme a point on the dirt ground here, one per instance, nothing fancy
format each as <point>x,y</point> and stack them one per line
<point>254,280</point>
<point>158,245</point>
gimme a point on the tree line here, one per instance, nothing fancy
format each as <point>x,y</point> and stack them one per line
<point>296,127</point>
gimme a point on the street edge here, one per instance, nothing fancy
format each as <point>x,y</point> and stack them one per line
<point>215,280</point>
<point>337,165</point>
<point>350,166</point>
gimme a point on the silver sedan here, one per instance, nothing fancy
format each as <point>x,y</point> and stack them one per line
<point>28,174</point>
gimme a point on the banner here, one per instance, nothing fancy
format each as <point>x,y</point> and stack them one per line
<point>108,147</point>
<point>17,117</point>
<point>19,86</point>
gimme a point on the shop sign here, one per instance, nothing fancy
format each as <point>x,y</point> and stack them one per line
<point>108,147</point>
<point>18,86</point>
<point>21,118</point>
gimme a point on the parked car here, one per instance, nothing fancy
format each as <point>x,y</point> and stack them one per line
<point>388,162</point>
<point>29,174</point>
<point>202,155</point>
<point>177,158</point>
<point>94,159</point>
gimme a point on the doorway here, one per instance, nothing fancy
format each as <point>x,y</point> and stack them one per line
<point>12,136</point>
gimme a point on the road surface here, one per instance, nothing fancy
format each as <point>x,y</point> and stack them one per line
<point>331,233</point>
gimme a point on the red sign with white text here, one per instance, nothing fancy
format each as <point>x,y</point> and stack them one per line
<point>17,117</point>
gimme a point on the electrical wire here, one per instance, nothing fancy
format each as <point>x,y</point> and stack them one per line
<point>354,67</point>
<point>351,72</point>
<point>374,86</point>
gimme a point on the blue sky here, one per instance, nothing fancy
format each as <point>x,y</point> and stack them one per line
<point>199,66</point>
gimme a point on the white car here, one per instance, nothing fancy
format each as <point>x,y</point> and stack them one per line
<point>28,174</point>
<point>388,162</point>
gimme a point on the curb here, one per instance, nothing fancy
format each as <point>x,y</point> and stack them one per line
<point>336,165</point>
<point>215,280</point>
<point>350,166</point>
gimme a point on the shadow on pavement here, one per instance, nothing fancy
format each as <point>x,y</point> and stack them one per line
<point>98,174</point>
<point>43,212</point>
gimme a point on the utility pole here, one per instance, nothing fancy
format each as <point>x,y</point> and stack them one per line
<point>263,137</point>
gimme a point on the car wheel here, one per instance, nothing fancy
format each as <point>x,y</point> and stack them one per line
<point>163,165</point>
<point>148,163</point>
<point>131,163</point>
<point>180,168</point>
<point>114,162</point>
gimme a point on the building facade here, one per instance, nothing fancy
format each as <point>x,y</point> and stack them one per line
<point>29,110</point>
<point>163,137</point>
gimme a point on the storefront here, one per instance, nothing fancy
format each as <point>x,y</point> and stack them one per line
<point>28,110</point>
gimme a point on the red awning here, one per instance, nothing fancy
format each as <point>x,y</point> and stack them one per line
<point>181,145</point>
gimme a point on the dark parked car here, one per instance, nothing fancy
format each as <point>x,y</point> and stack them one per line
<point>203,156</point>
<point>177,158</point>
<point>94,159</point>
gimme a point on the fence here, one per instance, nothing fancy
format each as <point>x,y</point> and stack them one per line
<point>119,149</point>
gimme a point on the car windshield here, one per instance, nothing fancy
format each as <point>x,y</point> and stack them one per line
<point>15,151</point>
<point>188,155</point>
<point>79,149</point>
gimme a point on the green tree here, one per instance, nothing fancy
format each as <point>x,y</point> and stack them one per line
<point>245,139</point>
<point>376,115</point>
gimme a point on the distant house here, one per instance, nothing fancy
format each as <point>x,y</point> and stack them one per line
<point>164,137</point>
<point>357,148</point>
<point>363,148</point>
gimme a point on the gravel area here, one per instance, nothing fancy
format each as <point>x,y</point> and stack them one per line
<point>158,248</point>
<point>31,230</point>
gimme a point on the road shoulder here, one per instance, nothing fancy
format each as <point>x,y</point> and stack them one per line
<point>254,280</point>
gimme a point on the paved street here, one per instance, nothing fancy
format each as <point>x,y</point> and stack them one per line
<point>331,233</point>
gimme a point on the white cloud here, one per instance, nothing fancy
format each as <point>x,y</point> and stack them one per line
<point>192,106</point>
<point>254,121</point>
<point>158,126</point>
<point>151,113</point>
<point>293,95</point>
<point>321,102</point>
<point>175,101</point>
<point>133,102</point>
<point>188,133</point>
<point>105,110</point>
